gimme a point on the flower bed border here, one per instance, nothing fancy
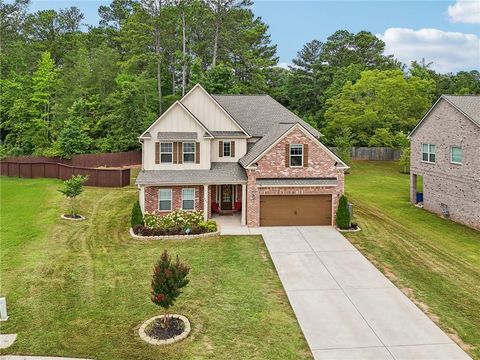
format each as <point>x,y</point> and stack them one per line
<point>81,218</point>
<point>174,237</point>
<point>153,341</point>
<point>349,230</point>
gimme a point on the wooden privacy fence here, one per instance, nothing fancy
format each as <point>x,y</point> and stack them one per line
<point>119,159</point>
<point>374,153</point>
<point>96,177</point>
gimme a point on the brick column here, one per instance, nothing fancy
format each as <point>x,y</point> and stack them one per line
<point>413,188</point>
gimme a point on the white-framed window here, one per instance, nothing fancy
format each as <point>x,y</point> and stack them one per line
<point>189,152</point>
<point>456,154</point>
<point>165,199</point>
<point>428,153</point>
<point>166,152</point>
<point>296,155</point>
<point>188,199</point>
<point>227,148</point>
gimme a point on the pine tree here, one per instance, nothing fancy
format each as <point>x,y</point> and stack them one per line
<point>343,214</point>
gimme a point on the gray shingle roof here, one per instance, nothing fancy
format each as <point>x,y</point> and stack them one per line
<point>469,104</point>
<point>296,181</point>
<point>257,114</point>
<point>228,134</point>
<point>220,173</point>
<point>177,136</point>
<point>261,145</point>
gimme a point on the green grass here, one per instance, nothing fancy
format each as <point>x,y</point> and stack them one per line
<point>435,261</point>
<point>82,288</point>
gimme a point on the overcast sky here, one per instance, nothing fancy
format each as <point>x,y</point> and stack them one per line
<point>446,33</point>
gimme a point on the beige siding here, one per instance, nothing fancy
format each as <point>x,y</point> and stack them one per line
<point>208,111</point>
<point>176,120</point>
<point>240,150</point>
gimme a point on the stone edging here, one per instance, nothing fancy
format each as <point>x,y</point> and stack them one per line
<point>348,230</point>
<point>153,341</point>
<point>81,218</point>
<point>174,237</point>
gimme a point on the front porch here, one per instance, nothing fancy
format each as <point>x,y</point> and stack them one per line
<point>226,202</point>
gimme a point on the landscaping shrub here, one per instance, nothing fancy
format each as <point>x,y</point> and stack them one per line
<point>178,222</point>
<point>151,220</point>
<point>343,215</point>
<point>137,216</point>
<point>208,226</point>
<point>167,281</point>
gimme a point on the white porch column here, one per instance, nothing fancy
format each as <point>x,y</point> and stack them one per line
<point>205,202</point>
<point>244,204</point>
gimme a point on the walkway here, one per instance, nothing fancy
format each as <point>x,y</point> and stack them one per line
<point>346,308</point>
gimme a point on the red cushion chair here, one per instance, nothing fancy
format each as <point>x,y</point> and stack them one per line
<point>215,208</point>
<point>237,206</point>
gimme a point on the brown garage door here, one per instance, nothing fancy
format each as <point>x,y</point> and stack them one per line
<point>284,210</point>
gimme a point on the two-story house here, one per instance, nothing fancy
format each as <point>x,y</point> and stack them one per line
<point>445,152</point>
<point>238,154</point>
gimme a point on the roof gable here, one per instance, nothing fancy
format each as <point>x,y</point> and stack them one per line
<point>468,105</point>
<point>272,138</point>
<point>209,111</point>
<point>177,106</point>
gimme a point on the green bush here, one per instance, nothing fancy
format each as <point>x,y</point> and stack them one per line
<point>208,226</point>
<point>137,216</point>
<point>343,215</point>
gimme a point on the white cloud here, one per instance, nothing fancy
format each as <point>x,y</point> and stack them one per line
<point>449,51</point>
<point>465,11</point>
<point>284,65</point>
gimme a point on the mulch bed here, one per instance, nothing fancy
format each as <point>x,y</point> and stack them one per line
<point>72,216</point>
<point>156,331</point>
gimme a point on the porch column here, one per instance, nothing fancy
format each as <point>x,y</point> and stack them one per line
<point>244,204</point>
<point>205,202</point>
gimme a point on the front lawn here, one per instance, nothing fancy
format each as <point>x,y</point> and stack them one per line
<point>82,288</point>
<point>435,261</point>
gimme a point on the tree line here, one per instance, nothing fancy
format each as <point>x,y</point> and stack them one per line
<point>67,90</point>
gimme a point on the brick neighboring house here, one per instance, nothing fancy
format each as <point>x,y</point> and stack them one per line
<point>445,151</point>
<point>239,154</point>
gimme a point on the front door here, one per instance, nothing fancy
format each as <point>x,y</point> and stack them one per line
<point>226,193</point>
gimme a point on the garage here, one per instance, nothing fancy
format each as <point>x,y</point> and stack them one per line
<point>295,210</point>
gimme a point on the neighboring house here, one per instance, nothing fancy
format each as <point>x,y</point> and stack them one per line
<point>445,151</point>
<point>244,154</point>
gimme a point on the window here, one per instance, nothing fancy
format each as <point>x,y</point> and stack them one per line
<point>166,152</point>
<point>227,148</point>
<point>188,152</point>
<point>428,153</point>
<point>188,199</point>
<point>165,199</point>
<point>296,155</point>
<point>456,155</point>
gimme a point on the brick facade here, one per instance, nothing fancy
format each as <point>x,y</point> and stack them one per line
<point>455,186</point>
<point>151,198</point>
<point>272,165</point>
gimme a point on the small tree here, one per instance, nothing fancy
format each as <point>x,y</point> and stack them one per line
<point>72,188</point>
<point>343,214</point>
<point>167,281</point>
<point>405,159</point>
<point>137,216</point>
<point>343,145</point>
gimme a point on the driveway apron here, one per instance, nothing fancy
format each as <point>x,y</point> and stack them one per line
<point>347,309</point>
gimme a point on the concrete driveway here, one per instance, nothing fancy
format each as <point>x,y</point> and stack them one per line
<point>346,308</point>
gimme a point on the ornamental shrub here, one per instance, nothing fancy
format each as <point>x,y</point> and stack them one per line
<point>137,216</point>
<point>343,215</point>
<point>208,226</point>
<point>167,281</point>
<point>151,221</point>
